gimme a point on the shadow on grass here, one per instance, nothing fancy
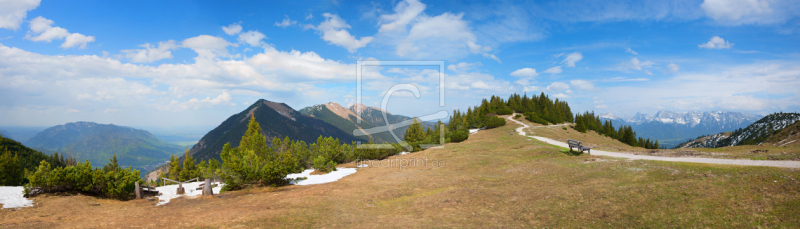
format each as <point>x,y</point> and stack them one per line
<point>571,153</point>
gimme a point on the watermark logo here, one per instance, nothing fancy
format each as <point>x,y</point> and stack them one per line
<point>400,163</point>
<point>385,101</point>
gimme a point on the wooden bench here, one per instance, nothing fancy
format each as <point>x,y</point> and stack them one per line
<point>578,145</point>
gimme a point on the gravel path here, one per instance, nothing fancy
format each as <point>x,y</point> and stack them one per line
<point>784,164</point>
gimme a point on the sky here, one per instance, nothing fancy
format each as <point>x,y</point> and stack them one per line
<point>187,63</point>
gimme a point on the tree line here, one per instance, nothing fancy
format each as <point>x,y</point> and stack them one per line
<point>16,160</point>
<point>625,134</point>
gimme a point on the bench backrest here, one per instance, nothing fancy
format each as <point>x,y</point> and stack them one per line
<point>573,142</point>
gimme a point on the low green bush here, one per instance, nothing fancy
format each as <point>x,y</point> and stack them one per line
<point>117,183</point>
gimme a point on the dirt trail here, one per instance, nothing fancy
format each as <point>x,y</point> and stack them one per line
<point>784,164</point>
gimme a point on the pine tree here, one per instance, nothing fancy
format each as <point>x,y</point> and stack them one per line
<point>112,165</point>
<point>415,135</point>
<point>189,170</point>
<point>174,168</point>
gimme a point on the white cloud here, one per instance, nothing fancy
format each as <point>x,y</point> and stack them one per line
<point>13,12</point>
<point>41,29</point>
<point>716,43</point>
<point>310,16</point>
<point>598,104</point>
<point>460,67</point>
<point>252,38</point>
<point>558,86</point>
<point>232,29</point>
<point>562,96</point>
<point>150,53</point>
<point>635,64</point>
<point>629,50</point>
<point>756,87</point>
<point>208,46</point>
<point>405,12</point>
<point>623,79</point>
<point>286,22</point>
<point>493,57</point>
<point>554,70</point>
<point>673,67</point>
<point>572,58</point>
<point>334,31</point>
<point>194,103</point>
<point>582,85</point>
<point>737,12</point>
<point>525,72</point>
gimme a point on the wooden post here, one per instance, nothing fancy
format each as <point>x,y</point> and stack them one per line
<point>180,190</point>
<point>138,191</point>
<point>207,191</point>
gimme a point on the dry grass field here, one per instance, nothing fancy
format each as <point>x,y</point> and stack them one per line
<point>494,179</point>
<point>592,139</point>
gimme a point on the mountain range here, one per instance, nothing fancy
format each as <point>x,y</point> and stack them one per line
<point>276,120</point>
<point>774,128</point>
<point>348,120</point>
<point>99,142</point>
<point>671,128</point>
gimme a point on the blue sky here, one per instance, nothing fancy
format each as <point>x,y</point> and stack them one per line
<point>177,63</point>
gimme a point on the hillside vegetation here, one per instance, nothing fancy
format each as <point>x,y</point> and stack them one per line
<point>754,134</point>
<point>493,179</point>
<point>16,158</point>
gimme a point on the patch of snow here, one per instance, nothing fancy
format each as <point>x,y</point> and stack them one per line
<point>402,153</point>
<point>321,179</point>
<point>170,191</point>
<point>11,197</point>
<point>362,165</point>
<point>472,131</point>
<point>788,143</point>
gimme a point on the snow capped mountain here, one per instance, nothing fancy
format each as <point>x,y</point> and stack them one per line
<point>722,119</point>
<point>672,127</point>
<point>753,134</point>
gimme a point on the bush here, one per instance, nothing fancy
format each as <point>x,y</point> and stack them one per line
<point>324,164</point>
<point>458,135</point>
<point>517,116</point>
<point>530,116</point>
<point>117,183</point>
<point>254,163</point>
<point>493,122</point>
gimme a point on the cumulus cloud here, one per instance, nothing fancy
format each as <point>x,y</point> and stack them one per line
<point>194,103</point>
<point>405,12</point>
<point>252,38</point>
<point>558,86</point>
<point>716,42</point>
<point>417,35</point>
<point>635,64</point>
<point>41,29</point>
<point>460,67</point>
<point>285,23</point>
<point>672,67</point>
<point>150,53</point>
<point>14,11</point>
<point>208,46</point>
<point>334,31</point>
<point>582,85</point>
<point>232,29</point>
<point>737,12</point>
<point>745,87</point>
<point>572,58</point>
<point>554,70</point>
<point>525,72</point>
